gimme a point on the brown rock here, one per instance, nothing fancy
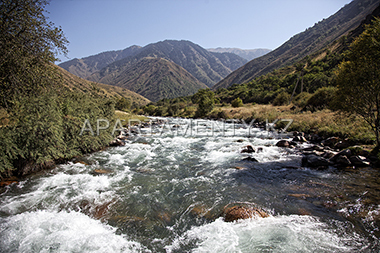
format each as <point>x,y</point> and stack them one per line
<point>8,181</point>
<point>100,172</point>
<point>242,212</point>
<point>248,149</point>
<point>117,143</point>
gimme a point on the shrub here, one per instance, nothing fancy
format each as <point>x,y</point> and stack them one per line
<point>321,99</point>
<point>281,99</point>
<point>237,102</point>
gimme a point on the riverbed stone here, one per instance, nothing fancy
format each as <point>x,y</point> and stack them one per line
<point>283,144</point>
<point>359,161</point>
<point>250,159</point>
<point>314,161</point>
<point>345,152</point>
<point>239,212</point>
<point>299,139</point>
<point>248,149</point>
<point>342,144</point>
<point>117,143</point>
<point>330,142</point>
<point>343,160</point>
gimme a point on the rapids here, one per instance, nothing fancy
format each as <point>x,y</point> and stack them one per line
<point>164,191</point>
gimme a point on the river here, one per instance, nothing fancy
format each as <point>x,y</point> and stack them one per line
<point>165,190</point>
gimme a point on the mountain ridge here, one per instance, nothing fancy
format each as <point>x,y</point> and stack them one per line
<point>207,67</point>
<point>86,66</point>
<point>248,54</point>
<point>302,44</point>
<point>155,78</point>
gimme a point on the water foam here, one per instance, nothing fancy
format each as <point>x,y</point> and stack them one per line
<point>292,233</point>
<point>44,231</point>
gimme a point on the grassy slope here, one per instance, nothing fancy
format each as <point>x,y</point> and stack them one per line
<point>76,83</point>
<point>156,78</point>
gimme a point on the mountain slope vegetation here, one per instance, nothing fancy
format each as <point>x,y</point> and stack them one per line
<point>155,79</point>
<point>303,44</point>
<point>84,67</point>
<point>77,84</point>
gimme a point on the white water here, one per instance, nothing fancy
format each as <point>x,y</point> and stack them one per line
<point>146,203</point>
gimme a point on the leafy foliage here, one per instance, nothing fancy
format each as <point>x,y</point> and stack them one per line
<point>205,99</point>
<point>237,102</point>
<point>358,78</point>
<point>28,43</point>
<point>321,99</point>
<point>44,117</point>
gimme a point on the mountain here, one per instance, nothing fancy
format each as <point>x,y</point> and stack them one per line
<point>154,78</point>
<point>86,66</point>
<point>207,67</point>
<point>305,43</point>
<point>248,54</point>
<point>76,83</point>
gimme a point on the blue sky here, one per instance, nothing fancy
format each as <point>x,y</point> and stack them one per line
<point>94,26</point>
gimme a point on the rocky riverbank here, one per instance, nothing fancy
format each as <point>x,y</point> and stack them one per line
<point>333,151</point>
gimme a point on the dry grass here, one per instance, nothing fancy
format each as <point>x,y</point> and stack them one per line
<point>326,122</point>
<point>125,117</point>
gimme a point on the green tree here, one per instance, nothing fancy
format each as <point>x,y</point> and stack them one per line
<point>281,99</point>
<point>237,102</point>
<point>122,104</point>
<point>358,78</point>
<point>205,99</point>
<point>28,45</point>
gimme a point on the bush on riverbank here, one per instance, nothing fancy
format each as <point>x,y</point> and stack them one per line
<point>46,128</point>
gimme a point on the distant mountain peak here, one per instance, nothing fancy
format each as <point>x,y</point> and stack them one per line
<point>197,67</point>
<point>248,54</point>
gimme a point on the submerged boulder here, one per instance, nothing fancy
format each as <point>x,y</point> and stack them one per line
<point>250,159</point>
<point>238,212</point>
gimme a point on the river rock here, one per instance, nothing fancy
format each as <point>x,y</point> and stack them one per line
<point>330,142</point>
<point>359,161</point>
<point>8,181</point>
<point>328,154</point>
<point>343,160</point>
<point>345,152</point>
<point>117,143</point>
<point>248,149</point>
<point>314,161</point>
<point>283,143</point>
<point>299,139</point>
<point>97,172</point>
<point>242,212</point>
<point>250,159</point>
<point>342,144</point>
